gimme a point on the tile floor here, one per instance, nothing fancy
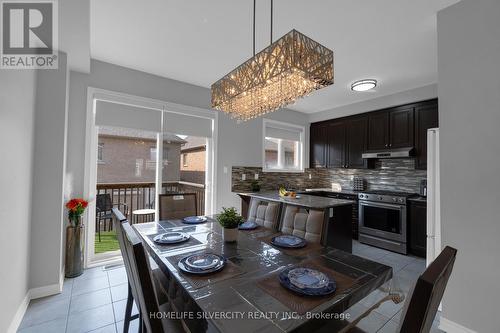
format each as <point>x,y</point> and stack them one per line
<point>95,301</point>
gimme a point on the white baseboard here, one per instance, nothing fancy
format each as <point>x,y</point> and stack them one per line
<point>45,291</point>
<point>33,294</point>
<point>18,317</point>
<point>451,327</point>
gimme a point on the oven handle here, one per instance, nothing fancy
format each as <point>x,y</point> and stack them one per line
<point>381,205</point>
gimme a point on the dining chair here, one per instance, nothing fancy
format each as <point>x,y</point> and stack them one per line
<point>264,213</point>
<point>143,288</point>
<point>302,223</point>
<point>104,206</point>
<point>423,299</point>
<point>159,278</point>
<point>177,205</point>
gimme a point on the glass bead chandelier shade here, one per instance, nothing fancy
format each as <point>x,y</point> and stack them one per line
<point>290,68</point>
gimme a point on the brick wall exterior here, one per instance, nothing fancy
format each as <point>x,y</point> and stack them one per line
<point>129,160</point>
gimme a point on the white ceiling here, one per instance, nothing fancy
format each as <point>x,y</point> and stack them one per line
<point>199,41</point>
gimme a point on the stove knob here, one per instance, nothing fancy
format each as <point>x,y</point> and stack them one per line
<point>401,200</point>
<point>380,197</point>
<point>395,199</point>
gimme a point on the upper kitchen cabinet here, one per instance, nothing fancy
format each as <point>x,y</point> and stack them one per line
<point>426,116</point>
<point>356,140</point>
<point>401,127</point>
<point>318,145</point>
<point>336,144</point>
<point>378,130</point>
<point>391,128</point>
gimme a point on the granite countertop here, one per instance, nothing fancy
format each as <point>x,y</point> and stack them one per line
<point>329,190</point>
<point>308,201</point>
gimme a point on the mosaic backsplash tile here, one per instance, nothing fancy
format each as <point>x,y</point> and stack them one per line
<point>388,174</point>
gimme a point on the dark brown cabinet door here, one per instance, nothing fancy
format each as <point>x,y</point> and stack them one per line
<point>378,130</point>
<point>426,116</point>
<point>336,145</point>
<point>401,127</point>
<point>318,145</point>
<point>356,142</point>
<point>418,226</point>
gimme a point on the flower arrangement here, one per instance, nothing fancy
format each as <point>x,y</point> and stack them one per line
<point>229,218</point>
<point>76,207</point>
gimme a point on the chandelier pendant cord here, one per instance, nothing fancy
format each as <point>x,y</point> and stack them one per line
<point>271,34</point>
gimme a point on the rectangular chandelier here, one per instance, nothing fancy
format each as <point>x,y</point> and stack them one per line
<point>290,68</point>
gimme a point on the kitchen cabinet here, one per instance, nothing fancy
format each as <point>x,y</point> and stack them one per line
<point>426,116</point>
<point>318,145</point>
<point>340,143</point>
<point>418,224</point>
<point>378,130</point>
<point>356,142</point>
<point>401,127</point>
<point>336,144</point>
<point>391,128</point>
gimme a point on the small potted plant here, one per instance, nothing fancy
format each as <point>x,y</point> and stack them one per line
<point>229,220</point>
<point>75,237</point>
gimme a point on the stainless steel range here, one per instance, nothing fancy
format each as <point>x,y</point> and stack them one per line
<point>382,219</point>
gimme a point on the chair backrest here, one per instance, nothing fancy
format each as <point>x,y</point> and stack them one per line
<point>264,213</point>
<point>103,202</point>
<point>177,205</point>
<point>306,224</point>
<point>421,307</point>
<point>143,289</point>
<point>118,219</point>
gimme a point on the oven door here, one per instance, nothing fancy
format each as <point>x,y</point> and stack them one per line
<point>382,220</point>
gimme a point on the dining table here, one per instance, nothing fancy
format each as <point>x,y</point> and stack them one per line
<point>246,295</point>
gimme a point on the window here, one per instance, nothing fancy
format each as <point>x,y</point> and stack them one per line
<point>152,154</point>
<point>283,147</point>
<point>185,159</point>
<point>100,149</point>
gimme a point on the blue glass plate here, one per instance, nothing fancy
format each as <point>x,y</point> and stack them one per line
<point>194,219</point>
<point>203,261</point>
<point>182,264</point>
<point>288,241</point>
<point>307,281</point>
<point>171,238</point>
<point>248,225</point>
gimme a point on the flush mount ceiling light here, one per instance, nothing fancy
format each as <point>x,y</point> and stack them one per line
<point>290,68</point>
<point>364,85</point>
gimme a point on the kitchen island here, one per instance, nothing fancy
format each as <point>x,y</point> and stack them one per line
<point>337,227</point>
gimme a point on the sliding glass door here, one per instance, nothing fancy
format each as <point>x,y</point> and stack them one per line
<point>138,153</point>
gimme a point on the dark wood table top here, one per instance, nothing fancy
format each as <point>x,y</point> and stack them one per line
<point>237,300</point>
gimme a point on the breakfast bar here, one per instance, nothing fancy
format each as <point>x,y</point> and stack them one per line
<point>336,227</point>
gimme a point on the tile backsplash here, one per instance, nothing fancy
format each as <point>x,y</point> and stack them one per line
<point>388,174</point>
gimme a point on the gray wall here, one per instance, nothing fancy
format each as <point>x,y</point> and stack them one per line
<point>17,114</point>
<point>469,112</point>
<point>47,238</point>
<point>404,97</point>
<point>239,144</point>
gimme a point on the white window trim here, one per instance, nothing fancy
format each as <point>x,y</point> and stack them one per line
<point>301,149</point>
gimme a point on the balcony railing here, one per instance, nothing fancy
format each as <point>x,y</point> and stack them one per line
<point>142,195</point>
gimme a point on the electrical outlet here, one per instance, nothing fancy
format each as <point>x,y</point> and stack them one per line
<point>243,176</point>
<point>310,176</point>
<point>225,169</point>
<point>256,176</point>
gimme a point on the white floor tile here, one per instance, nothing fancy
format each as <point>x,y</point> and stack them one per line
<point>53,326</point>
<point>89,285</point>
<point>39,312</point>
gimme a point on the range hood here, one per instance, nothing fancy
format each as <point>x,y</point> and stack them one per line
<point>391,153</point>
